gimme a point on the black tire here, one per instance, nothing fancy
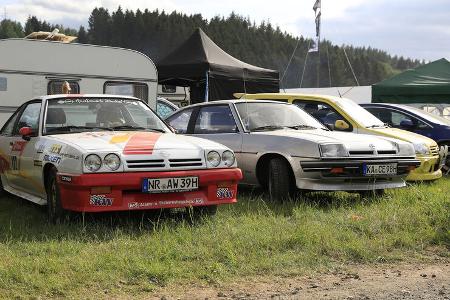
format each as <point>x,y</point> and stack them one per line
<point>55,210</point>
<point>372,193</point>
<point>2,191</point>
<point>446,166</point>
<point>280,182</point>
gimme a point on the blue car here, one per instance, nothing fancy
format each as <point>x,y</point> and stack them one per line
<point>413,119</point>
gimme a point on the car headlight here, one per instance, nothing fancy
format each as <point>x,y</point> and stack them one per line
<point>228,158</point>
<point>333,150</point>
<point>406,149</point>
<point>93,162</point>
<point>112,161</point>
<point>213,158</point>
<point>421,148</point>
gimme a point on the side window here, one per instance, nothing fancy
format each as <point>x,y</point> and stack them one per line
<point>29,118</point>
<point>163,110</point>
<point>321,111</point>
<point>56,87</point>
<point>9,126</point>
<point>180,121</point>
<point>135,89</point>
<point>384,114</point>
<point>398,118</point>
<point>215,119</point>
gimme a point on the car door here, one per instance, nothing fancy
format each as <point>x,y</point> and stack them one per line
<point>22,152</point>
<point>6,138</point>
<point>217,123</point>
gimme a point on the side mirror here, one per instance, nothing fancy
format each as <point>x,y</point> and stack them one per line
<point>341,125</point>
<point>406,123</point>
<point>26,133</point>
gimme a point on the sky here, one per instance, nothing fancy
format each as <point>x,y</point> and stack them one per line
<point>410,28</point>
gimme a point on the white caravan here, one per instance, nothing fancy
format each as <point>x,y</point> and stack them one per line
<point>32,68</point>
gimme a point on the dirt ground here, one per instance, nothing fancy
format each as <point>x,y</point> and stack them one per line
<point>404,281</point>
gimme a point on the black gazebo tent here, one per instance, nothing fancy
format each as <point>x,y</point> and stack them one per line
<point>203,66</point>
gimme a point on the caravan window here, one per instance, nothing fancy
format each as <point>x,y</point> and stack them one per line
<point>135,89</point>
<point>3,84</point>
<point>54,87</point>
<point>169,88</point>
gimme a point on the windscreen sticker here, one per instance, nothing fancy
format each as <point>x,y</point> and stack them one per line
<point>96,100</point>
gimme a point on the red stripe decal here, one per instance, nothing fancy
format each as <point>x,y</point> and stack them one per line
<point>141,143</point>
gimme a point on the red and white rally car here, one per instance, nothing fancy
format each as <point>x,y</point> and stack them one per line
<point>92,153</point>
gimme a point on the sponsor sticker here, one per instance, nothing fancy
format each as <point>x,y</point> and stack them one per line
<point>37,163</point>
<point>66,178</point>
<point>224,193</point>
<point>135,205</point>
<point>40,148</point>
<point>100,200</point>
<point>19,146</point>
<point>55,148</point>
<point>52,158</point>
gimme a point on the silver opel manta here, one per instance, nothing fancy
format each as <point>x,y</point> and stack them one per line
<point>284,149</point>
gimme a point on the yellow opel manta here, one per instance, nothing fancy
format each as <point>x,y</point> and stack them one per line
<point>345,115</point>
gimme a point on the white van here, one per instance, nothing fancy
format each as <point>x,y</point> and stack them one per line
<point>31,68</point>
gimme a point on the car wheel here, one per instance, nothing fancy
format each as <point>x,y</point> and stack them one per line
<point>279,180</point>
<point>446,166</point>
<point>371,193</point>
<point>54,207</point>
<point>2,190</point>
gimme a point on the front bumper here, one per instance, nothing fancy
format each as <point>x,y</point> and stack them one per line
<point>319,175</point>
<point>430,168</point>
<point>90,192</point>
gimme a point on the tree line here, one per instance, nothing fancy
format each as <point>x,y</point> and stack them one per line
<point>157,33</point>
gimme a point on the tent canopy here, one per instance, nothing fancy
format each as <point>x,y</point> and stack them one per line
<point>199,56</point>
<point>429,83</point>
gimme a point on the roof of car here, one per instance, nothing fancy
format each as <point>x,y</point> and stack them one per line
<point>290,95</point>
<point>58,96</point>
<point>217,102</point>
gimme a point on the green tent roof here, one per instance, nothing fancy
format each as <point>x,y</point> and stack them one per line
<point>429,83</point>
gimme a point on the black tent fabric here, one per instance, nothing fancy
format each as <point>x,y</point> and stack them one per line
<point>199,62</point>
<point>429,83</point>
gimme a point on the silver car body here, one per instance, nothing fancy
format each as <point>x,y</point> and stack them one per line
<point>301,148</point>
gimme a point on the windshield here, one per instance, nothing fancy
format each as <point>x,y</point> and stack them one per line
<point>428,116</point>
<point>70,115</point>
<point>270,116</point>
<point>358,113</point>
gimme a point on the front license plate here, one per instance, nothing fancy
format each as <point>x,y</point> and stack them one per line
<point>387,169</point>
<point>170,185</point>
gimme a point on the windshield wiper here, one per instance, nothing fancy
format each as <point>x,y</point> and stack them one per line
<point>301,126</point>
<point>377,126</point>
<point>267,127</point>
<point>70,127</point>
<point>136,128</point>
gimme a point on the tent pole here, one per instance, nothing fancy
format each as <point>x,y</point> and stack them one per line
<point>207,87</point>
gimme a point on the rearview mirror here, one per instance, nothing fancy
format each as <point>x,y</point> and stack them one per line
<point>26,133</point>
<point>341,125</point>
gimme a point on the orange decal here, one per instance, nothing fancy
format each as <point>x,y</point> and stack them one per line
<point>122,138</point>
<point>141,143</point>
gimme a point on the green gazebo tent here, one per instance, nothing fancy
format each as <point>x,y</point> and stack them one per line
<point>429,83</point>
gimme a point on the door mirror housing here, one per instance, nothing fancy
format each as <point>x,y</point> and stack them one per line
<point>341,125</point>
<point>26,133</point>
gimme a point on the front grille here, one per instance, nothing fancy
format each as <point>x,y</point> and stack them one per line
<point>362,152</point>
<point>144,164</point>
<point>386,152</point>
<point>434,150</point>
<point>185,162</point>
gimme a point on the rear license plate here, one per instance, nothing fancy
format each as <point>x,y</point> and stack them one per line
<point>386,169</point>
<point>170,185</point>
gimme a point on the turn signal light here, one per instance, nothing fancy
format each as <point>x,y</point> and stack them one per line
<point>337,170</point>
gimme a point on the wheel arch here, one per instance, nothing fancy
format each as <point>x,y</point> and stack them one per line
<point>262,167</point>
<point>46,172</point>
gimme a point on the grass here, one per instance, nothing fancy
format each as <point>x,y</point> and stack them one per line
<point>132,254</point>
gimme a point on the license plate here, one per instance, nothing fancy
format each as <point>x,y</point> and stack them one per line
<point>386,169</point>
<point>170,185</point>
